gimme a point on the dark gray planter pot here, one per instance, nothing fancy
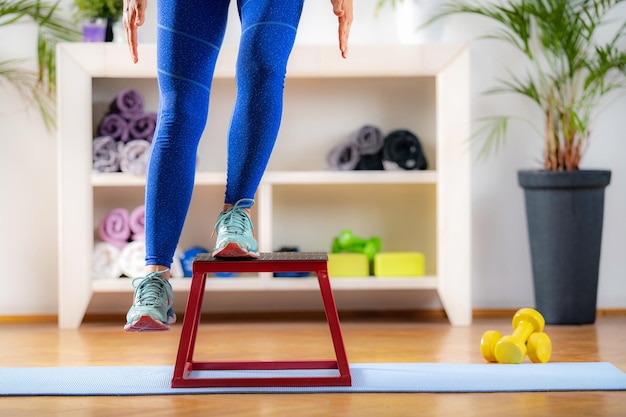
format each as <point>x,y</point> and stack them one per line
<point>565,212</point>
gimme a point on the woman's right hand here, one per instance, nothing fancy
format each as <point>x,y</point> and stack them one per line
<point>134,14</point>
<point>343,11</point>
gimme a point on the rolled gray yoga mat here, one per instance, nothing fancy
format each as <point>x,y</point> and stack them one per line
<point>361,152</point>
<point>344,157</point>
<point>369,140</point>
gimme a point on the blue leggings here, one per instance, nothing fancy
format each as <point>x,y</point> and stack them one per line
<point>189,37</point>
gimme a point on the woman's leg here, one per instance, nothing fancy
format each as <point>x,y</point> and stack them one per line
<point>189,36</point>
<point>268,34</point>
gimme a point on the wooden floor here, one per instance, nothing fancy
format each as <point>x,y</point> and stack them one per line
<point>367,340</point>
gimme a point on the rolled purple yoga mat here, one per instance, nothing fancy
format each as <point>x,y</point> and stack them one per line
<point>114,125</point>
<point>114,227</point>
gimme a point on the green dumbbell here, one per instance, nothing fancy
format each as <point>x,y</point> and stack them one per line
<point>346,241</point>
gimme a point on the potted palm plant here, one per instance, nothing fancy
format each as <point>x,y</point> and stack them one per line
<point>37,87</point>
<point>571,70</point>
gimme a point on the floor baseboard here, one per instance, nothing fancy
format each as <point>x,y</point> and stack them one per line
<point>291,316</point>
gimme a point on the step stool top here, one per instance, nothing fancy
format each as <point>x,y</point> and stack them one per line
<point>269,257</point>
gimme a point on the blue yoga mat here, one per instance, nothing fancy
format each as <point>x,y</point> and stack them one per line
<point>372,377</point>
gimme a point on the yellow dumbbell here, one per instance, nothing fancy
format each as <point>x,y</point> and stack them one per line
<point>527,338</point>
<point>539,347</point>
<point>488,344</point>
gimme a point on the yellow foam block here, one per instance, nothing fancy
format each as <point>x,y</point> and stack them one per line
<point>348,265</point>
<point>399,264</point>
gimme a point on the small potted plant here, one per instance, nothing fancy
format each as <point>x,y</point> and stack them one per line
<point>98,13</point>
<point>570,70</point>
<point>37,87</point>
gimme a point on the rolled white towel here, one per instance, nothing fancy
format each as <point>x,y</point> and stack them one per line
<point>134,156</point>
<point>105,261</point>
<point>106,157</point>
<point>132,259</point>
<point>176,270</point>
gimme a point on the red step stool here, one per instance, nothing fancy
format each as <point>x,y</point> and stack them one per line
<point>267,262</point>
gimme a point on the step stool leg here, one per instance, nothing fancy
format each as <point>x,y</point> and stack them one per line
<point>189,331</point>
<point>332,318</point>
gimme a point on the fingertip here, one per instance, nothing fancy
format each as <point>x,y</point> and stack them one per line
<point>344,51</point>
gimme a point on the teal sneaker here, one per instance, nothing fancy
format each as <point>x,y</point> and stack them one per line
<point>152,308</point>
<point>234,232</point>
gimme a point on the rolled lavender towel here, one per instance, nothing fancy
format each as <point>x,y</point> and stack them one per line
<point>137,223</point>
<point>344,157</point>
<point>114,227</point>
<point>142,126</point>
<point>127,102</point>
<point>134,156</point>
<point>369,140</point>
<point>105,261</point>
<point>114,125</point>
<point>106,157</point>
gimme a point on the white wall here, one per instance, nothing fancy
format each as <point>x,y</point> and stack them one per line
<point>501,264</point>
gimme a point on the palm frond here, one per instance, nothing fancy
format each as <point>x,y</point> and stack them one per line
<point>526,88</point>
<point>30,89</point>
<point>51,29</point>
<point>493,133</point>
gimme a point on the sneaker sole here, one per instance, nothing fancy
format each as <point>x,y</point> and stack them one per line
<point>233,250</point>
<point>146,324</point>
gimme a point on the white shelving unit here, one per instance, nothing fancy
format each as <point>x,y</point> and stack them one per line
<point>424,88</point>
